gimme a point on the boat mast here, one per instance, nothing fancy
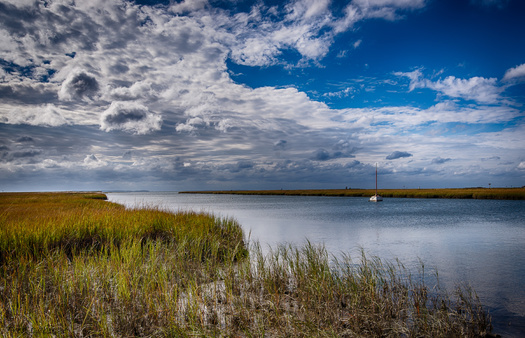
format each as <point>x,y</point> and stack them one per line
<point>376,178</point>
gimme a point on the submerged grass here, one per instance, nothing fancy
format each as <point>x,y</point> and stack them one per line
<point>463,193</point>
<point>75,265</point>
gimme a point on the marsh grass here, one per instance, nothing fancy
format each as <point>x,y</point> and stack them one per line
<point>75,265</point>
<point>462,193</point>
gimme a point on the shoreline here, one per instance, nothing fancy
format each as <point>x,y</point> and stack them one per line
<point>459,193</point>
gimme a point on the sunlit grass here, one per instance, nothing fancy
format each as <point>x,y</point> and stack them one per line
<point>76,265</point>
<point>464,193</point>
<point>38,224</point>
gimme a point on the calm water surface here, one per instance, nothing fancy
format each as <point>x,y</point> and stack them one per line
<point>478,241</point>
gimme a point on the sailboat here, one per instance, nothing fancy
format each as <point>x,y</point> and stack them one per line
<point>376,197</point>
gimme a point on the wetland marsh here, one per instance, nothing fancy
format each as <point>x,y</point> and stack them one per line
<point>75,264</point>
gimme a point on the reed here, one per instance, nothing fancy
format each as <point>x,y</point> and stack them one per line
<point>35,225</point>
<point>75,265</point>
<point>462,193</point>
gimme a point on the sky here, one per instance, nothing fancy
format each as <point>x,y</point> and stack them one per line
<point>219,95</point>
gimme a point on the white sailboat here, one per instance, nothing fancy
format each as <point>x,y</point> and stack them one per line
<point>376,197</point>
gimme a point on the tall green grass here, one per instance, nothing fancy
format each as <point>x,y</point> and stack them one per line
<point>75,265</point>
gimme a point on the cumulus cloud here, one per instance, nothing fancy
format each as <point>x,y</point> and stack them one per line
<point>90,158</point>
<point>476,88</point>
<point>341,149</point>
<point>440,160</point>
<point>479,89</point>
<point>131,117</point>
<point>188,6</point>
<point>224,124</point>
<point>92,162</point>
<point>191,124</point>
<point>321,155</point>
<point>515,74</point>
<point>78,85</point>
<point>139,90</point>
<point>47,115</point>
<point>398,154</point>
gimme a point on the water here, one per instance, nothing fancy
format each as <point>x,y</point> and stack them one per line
<point>481,242</point>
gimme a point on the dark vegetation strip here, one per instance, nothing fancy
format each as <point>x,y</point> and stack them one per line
<point>77,265</point>
<point>464,193</point>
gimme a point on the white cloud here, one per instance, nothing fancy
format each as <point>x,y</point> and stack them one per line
<point>308,26</point>
<point>351,16</point>
<point>449,111</point>
<point>415,77</point>
<point>79,84</point>
<point>48,164</point>
<point>515,74</point>
<point>256,51</point>
<point>341,93</point>
<point>224,125</point>
<point>92,162</point>
<point>307,9</point>
<point>46,115</point>
<point>386,9</point>
<point>191,124</point>
<point>130,116</point>
<point>188,6</point>
<point>139,90</point>
<point>476,88</point>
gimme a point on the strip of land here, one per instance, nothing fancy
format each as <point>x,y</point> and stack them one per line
<point>464,193</point>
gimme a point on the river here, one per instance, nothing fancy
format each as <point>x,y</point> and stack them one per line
<point>481,242</point>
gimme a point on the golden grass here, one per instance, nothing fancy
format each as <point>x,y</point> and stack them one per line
<point>76,265</point>
<point>37,224</point>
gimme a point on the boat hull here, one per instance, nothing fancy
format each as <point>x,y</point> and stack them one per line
<point>376,198</point>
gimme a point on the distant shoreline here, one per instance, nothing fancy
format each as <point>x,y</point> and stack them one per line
<point>461,193</point>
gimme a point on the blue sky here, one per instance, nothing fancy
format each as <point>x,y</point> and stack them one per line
<point>191,95</point>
